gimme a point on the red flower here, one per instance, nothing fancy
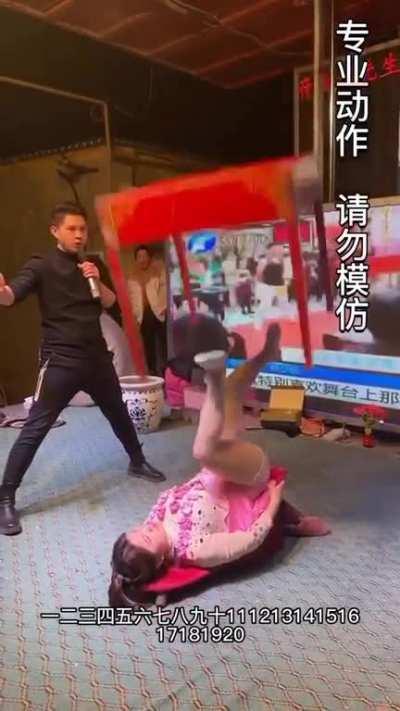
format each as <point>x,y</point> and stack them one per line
<point>373,411</point>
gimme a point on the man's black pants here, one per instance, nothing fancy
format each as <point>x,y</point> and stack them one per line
<point>154,334</point>
<point>57,385</point>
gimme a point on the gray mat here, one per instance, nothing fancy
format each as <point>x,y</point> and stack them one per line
<point>76,499</point>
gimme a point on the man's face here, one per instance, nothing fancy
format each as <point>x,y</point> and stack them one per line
<point>71,233</point>
<point>143,259</point>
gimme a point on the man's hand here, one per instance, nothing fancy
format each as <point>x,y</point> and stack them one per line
<point>89,270</point>
<point>6,295</point>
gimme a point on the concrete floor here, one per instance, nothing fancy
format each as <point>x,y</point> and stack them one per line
<point>75,501</point>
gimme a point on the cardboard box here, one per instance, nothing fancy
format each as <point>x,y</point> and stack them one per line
<point>285,409</point>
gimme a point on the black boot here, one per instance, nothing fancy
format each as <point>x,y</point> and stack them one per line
<point>9,520</point>
<point>144,470</point>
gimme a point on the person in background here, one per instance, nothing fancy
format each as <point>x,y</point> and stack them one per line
<point>287,271</point>
<point>313,275</point>
<point>148,294</point>
<point>273,270</point>
<point>270,284</point>
<point>251,266</point>
<point>230,272</point>
<point>261,264</point>
<point>244,292</point>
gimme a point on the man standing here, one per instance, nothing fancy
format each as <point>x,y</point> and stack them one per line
<point>74,354</point>
<point>148,293</point>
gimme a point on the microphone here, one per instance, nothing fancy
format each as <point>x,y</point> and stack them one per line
<point>93,285</point>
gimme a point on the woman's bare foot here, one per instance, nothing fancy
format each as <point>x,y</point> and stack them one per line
<point>297,525</point>
<point>308,526</point>
<point>271,350</point>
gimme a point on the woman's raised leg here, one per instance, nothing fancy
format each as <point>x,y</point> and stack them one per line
<point>238,383</point>
<point>212,414</point>
<point>216,444</point>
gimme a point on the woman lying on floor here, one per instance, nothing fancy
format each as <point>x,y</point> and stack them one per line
<point>226,511</point>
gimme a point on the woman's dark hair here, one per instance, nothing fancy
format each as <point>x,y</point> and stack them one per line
<point>132,567</point>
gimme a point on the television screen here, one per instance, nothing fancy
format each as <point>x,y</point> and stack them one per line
<point>244,278</point>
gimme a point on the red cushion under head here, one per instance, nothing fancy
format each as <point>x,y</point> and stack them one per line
<point>175,578</point>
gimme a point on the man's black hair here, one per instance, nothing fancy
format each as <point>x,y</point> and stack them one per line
<point>60,211</point>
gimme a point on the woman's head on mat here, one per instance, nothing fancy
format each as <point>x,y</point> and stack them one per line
<point>137,558</point>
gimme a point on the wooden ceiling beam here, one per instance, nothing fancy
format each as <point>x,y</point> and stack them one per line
<point>130,20</point>
<point>254,79</point>
<point>179,41</point>
<point>246,55</point>
<point>251,10</point>
<point>224,19</point>
<point>56,7</point>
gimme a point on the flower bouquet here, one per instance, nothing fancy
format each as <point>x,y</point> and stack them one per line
<point>371,415</point>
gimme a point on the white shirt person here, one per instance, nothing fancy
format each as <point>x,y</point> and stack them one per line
<point>147,289</point>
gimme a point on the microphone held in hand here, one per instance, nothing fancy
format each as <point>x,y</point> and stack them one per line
<point>93,285</point>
